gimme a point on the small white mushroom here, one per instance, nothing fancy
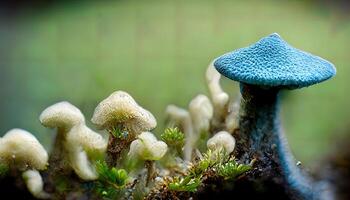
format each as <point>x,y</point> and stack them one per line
<point>147,147</point>
<point>22,150</point>
<point>201,112</point>
<point>34,183</point>
<point>121,108</point>
<point>222,140</point>
<point>75,142</point>
<point>61,115</point>
<point>119,113</point>
<point>219,97</point>
<point>84,147</point>
<point>181,117</point>
<point>231,120</point>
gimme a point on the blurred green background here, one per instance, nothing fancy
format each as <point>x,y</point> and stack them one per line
<point>158,51</point>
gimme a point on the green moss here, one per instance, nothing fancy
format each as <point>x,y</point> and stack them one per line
<point>231,169</point>
<point>173,137</point>
<point>3,169</point>
<point>111,181</point>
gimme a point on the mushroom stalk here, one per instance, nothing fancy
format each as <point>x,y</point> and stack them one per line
<point>116,146</point>
<point>260,125</point>
<point>151,170</point>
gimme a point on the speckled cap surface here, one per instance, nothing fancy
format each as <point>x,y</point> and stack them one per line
<point>273,62</point>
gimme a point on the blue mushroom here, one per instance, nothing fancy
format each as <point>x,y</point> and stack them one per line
<point>262,69</point>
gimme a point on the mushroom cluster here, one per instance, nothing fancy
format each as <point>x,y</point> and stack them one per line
<point>75,142</point>
<point>234,133</point>
<point>204,116</point>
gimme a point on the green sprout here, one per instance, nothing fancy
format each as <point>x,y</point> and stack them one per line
<point>231,169</point>
<point>173,136</point>
<point>111,181</point>
<point>188,184</point>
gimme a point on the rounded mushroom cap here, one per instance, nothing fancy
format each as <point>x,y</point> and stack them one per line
<point>272,62</point>
<point>221,140</point>
<point>120,107</point>
<point>89,140</point>
<point>61,115</point>
<point>22,150</point>
<point>148,147</point>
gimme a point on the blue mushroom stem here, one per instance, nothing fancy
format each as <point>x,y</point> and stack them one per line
<point>260,127</point>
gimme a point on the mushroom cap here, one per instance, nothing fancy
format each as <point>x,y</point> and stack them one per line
<point>148,147</point>
<point>221,140</point>
<point>120,107</point>
<point>91,141</point>
<point>22,149</point>
<point>61,115</point>
<point>272,62</point>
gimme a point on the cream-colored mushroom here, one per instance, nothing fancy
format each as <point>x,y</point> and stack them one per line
<point>35,184</point>
<point>181,117</point>
<point>19,149</point>
<point>231,120</point>
<point>61,115</point>
<point>222,141</point>
<point>219,97</point>
<point>84,147</point>
<point>119,113</point>
<point>22,150</point>
<point>121,108</point>
<point>75,142</point>
<point>201,112</point>
<point>148,148</point>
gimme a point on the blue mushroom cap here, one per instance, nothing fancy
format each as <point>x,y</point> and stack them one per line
<point>272,62</point>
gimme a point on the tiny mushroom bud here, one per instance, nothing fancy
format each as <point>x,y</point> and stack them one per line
<point>222,140</point>
<point>35,184</point>
<point>119,113</point>
<point>147,147</point>
<point>75,142</point>
<point>263,69</point>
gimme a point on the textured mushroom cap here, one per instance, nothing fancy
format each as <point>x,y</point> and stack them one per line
<point>22,149</point>
<point>62,115</point>
<point>272,62</point>
<point>148,147</point>
<point>220,140</point>
<point>120,107</point>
